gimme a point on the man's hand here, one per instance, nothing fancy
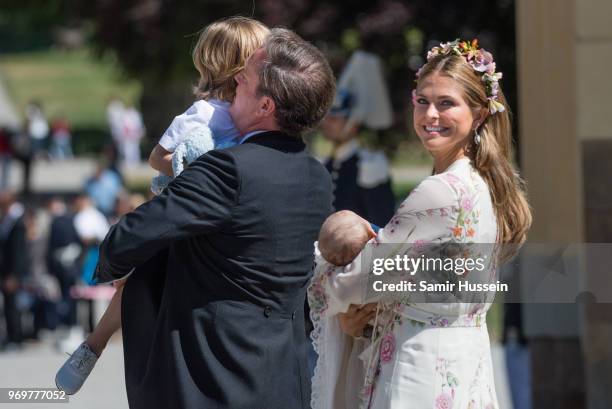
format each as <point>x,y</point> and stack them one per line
<point>356,318</point>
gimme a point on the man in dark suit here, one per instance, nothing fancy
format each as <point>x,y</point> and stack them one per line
<point>239,225</point>
<point>13,263</point>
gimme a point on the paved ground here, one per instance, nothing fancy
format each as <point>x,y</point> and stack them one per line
<point>35,366</point>
<point>67,175</point>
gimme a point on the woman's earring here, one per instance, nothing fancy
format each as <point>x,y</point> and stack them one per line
<point>477,137</point>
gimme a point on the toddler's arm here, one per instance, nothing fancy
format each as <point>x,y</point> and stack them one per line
<point>161,160</point>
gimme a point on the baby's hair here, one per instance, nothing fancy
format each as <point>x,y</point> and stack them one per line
<point>222,51</point>
<point>342,237</point>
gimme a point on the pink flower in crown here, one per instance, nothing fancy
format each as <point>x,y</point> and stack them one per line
<point>482,61</point>
<point>491,68</point>
<point>494,89</point>
<point>444,401</point>
<point>467,204</point>
<point>387,348</point>
<point>433,53</point>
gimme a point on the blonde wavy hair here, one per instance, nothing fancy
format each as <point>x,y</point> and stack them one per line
<point>493,156</point>
<point>222,51</point>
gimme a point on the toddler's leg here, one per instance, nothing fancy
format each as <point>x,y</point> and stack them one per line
<point>77,368</point>
<point>108,325</point>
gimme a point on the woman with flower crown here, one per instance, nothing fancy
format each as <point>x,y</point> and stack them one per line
<point>429,355</point>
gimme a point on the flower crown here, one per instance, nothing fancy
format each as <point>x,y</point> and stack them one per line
<point>481,61</point>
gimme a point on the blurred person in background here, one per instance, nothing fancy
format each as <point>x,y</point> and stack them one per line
<point>114,113</point>
<point>37,128</point>
<point>6,156</point>
<point>63,254</point>
<point>61,147</point>
<point>361,177</point>
<point>131,132</point>
<point>22,150</point>
<point>91,227</point>
<point>42,289</point>
<point>103,188</point>
<point>13,263</point>
<point>126,202</point>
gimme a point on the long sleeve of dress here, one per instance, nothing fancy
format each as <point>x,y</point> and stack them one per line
<point>425,217</point>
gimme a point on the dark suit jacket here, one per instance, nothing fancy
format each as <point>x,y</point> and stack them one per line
<point>240,225</point>
<point>375,204</point>
<point>14,259</point>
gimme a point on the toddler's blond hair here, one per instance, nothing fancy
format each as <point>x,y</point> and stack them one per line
<point>222,51</point>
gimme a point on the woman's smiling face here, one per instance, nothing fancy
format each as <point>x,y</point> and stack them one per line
<point>442,118</point>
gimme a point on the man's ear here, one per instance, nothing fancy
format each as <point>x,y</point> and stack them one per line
<point>267,107</point>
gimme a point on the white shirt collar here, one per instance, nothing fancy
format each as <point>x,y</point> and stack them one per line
<point>346,150</point>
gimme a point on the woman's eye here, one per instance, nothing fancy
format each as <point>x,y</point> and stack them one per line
<point>422,101</point>
<point>447,103</point>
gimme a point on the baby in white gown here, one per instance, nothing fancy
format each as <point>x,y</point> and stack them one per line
<point>342,237</point>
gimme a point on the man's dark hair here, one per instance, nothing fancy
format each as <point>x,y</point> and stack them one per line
<point>297,76</point>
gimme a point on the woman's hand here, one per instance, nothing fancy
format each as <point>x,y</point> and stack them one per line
<point>356,318</point>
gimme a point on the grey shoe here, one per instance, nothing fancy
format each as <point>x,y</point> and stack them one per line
<point>76,369</point>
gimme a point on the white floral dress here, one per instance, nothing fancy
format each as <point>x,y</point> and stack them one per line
<point>425,355</point>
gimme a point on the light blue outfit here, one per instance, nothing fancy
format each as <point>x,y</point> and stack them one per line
<point>103,190</point>
<point>204,126</point>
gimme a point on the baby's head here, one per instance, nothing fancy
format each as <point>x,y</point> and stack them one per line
<point>222,51</point>
<point>343,236</point>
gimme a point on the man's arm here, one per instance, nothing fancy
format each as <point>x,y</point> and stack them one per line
<point>197,202</point>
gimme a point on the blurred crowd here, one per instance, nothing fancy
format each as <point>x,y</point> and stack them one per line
<point>49,245</point>
<point>48,252</point>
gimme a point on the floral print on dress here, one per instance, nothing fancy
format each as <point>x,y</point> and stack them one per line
<point>387,348</point>
<point>444,401</point>
<point>317,298</point>
<point>445,398</point>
